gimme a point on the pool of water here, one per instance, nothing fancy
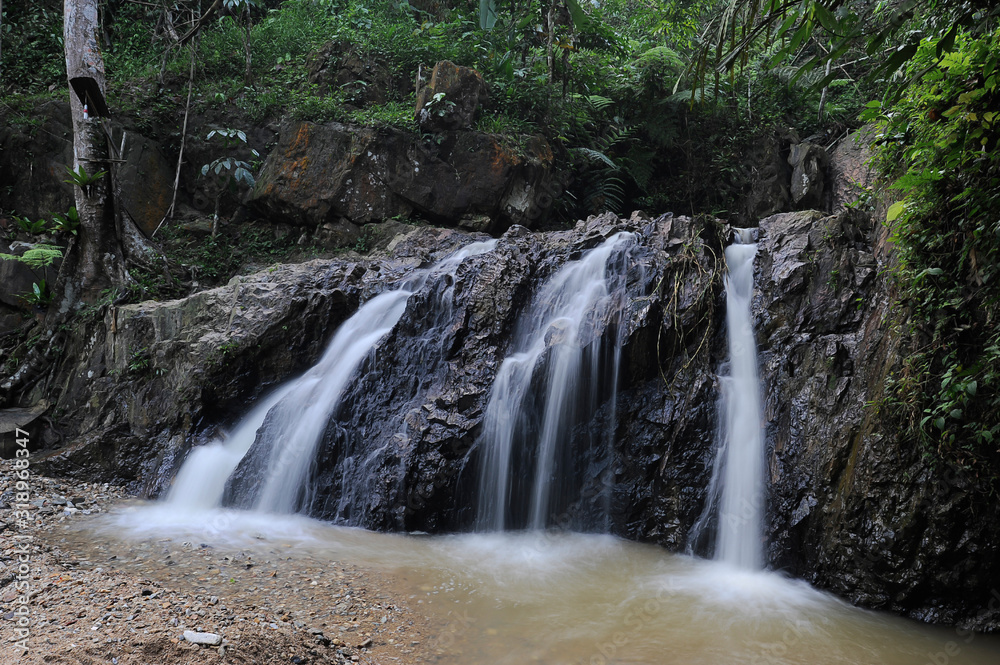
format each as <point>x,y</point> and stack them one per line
<point>563,598</point>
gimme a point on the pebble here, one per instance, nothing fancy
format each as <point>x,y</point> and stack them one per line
<point>210,639</point>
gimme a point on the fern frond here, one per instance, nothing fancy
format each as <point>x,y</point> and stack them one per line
<point>595,156</point>
<point>39,256</point>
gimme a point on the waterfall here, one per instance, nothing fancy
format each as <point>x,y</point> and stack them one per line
<point>289,424</point>
<point>736,487</point>
<point>539,444</point>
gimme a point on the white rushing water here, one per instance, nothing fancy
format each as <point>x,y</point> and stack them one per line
<point>736,488</point>
<point>526,421</point>
<point>297,414</point>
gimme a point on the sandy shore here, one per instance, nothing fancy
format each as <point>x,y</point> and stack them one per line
<point>93,600</point>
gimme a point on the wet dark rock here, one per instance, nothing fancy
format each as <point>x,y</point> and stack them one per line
<point>401,452</point>
<point>853,507</point>
<point>809,163</point>
<point>327,173</point>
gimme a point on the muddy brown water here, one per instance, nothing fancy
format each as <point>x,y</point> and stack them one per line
<point>554,598</point>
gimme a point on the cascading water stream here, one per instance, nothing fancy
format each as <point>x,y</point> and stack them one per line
<point>529,420</point>
<point>291,420</point>
<point>736,487</point>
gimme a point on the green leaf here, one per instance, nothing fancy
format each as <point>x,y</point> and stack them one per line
<point>580,18</point>
<point>826,18</point>
<point>939,423</point>
<point>971,388</point>
<point>487,14</point>
<point>895,210</point>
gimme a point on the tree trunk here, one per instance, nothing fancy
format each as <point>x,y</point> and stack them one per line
<point>95,260</point>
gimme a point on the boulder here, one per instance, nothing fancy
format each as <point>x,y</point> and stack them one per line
<point>808,162</point>
<point>146,180</point>
<point>327,173</point>
<point>451,99</point>
<point>365,79</point>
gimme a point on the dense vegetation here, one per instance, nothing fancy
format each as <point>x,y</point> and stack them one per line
<point>611,87</point>
<point>940,142</point>
<point>649,103</point>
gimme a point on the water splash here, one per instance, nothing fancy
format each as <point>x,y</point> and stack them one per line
<point>289,424</point>
<point>553,383</point>
<point>737,486</point>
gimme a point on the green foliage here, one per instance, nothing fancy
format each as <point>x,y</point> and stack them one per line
<point>28,226</point>
<point>209,260</point>
<point>39,296</point>
<point>66,223</point>
<point>81,178</point>
<point>32,52</point>
<point>139,362</point>
<point>38,257</point>
<point>939,141</point>
<point>231,170</point>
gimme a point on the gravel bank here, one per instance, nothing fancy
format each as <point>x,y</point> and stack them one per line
<point>93,599</point>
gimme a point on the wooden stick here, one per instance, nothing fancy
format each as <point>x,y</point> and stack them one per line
<point>180,156</point>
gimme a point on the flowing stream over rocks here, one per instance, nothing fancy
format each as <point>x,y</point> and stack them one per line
<point>281,434</point>
<point>408,445</point>
<point>532,447</point>
<point>736,487</point>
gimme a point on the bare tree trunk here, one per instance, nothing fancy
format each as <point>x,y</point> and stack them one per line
<point>822,97</point>
<point>95,262</point>
<point>248,77</point>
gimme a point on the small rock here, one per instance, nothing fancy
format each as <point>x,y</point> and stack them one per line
<point>210,639</point>
<point>367,643</point>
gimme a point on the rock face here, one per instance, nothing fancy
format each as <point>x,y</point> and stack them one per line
<point>808,162</point>
<point>328,173</point>
<point>854,508</point>
<point>34,156</point>
<point>451,99</point>
<point>156,377</point>
<point>850,174</point>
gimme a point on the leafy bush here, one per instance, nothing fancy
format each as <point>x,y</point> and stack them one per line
<point>944,131</point>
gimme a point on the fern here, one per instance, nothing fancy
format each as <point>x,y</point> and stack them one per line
<point>38,257</point>
<point>594,156</point>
